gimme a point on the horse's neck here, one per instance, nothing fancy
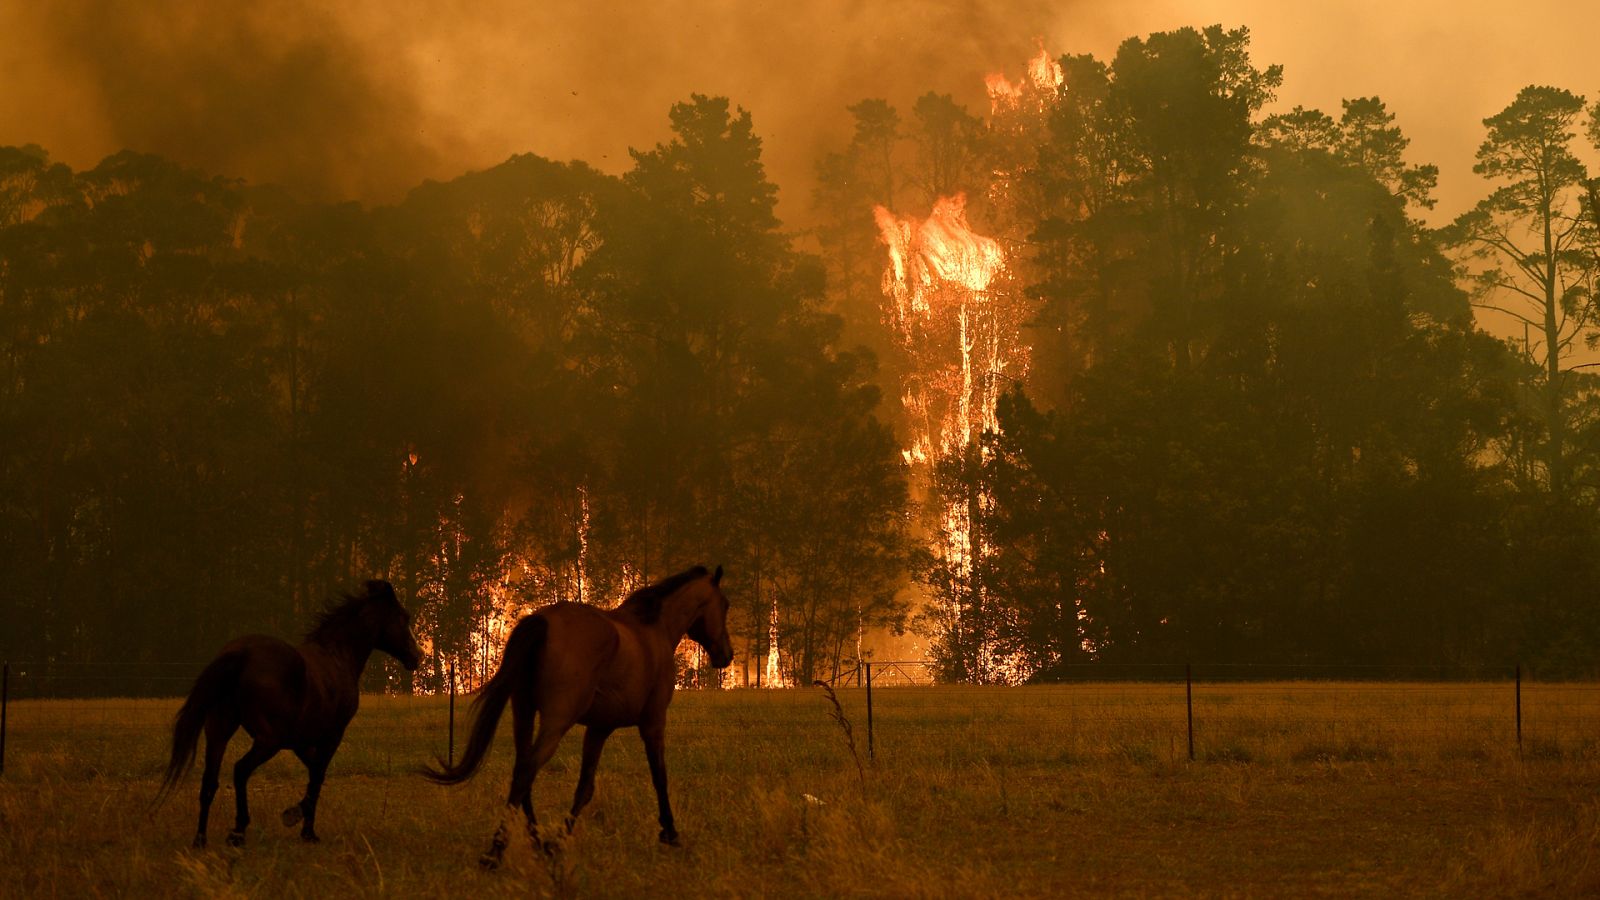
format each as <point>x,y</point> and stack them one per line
<point>347,654</point>
<point>678,612</point>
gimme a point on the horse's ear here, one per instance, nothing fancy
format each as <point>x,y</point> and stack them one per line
<point>378,588</point>
<point>716,577</point>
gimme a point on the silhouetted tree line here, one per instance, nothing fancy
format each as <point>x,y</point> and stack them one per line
<point>532,383</point>
<point>1261,424</point>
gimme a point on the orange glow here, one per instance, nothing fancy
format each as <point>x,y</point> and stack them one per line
<point>952,301</point>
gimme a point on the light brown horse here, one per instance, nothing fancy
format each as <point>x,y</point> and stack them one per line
<point>605,669</point>
<point>287,698</point>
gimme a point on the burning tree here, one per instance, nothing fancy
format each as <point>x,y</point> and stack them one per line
<point>957,313</point>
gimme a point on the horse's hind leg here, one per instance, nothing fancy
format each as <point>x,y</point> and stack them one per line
<point>594,740</point>
<point>252,759</point>
<point>531,757</point>
<point>219,730</point>
<point>522,716</point>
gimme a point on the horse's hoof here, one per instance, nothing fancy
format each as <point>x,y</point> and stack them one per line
<point>310,837</point>
<point>235,839</point>
<point>489,862</point>
<point>199,842</point>
<point>293,816</point>
<point>670,838</point>
<point>550,848</point>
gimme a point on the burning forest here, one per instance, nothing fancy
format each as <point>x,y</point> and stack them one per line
<point>1121,360</point>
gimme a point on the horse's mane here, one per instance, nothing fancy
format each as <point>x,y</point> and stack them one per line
<point>341,613</point>
<point>645,603</point>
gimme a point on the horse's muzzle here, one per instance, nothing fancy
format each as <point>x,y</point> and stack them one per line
<point>721,659</point>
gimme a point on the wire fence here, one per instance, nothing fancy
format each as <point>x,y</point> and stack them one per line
<point>1133,713</point>
<point>1243,712</point>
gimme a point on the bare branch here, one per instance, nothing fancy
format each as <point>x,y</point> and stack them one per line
<point>1538,300</point>
<point>1515,315</point>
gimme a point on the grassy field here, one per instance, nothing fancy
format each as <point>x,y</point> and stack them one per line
<point>1298,789</point>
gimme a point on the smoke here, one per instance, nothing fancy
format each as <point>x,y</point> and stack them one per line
<point>364,99</point>
<point>274,92</point>
<point>592,80</point>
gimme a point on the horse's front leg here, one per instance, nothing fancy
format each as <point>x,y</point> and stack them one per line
<point>304,813</point>
<point>655,751</point>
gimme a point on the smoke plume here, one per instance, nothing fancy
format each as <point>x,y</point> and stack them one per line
<point>363,99</point>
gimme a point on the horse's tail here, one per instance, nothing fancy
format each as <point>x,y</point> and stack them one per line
<point>519,665</point>
<point>215,683</point>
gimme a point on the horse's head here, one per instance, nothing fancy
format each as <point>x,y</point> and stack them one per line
<point>710,627</point>
<point>390,624</point>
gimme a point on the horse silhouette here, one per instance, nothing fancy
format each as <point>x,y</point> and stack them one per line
<point>605,669</point>
<point>287,698</point>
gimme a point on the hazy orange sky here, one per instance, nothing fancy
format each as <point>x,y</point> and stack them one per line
<point>369,99</point>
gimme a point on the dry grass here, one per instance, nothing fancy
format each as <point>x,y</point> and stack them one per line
<point>1297,790</point>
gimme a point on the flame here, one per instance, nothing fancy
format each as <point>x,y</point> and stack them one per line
<point>774,674</point>
<point>962,335</point>
<point>583,544</point>
<point>520,584</point>
<point>1036,89</point>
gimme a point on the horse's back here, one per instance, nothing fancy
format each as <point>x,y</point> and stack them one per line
<point>578,630</point>
<point>604,656</point>
<point>267,657</point>
<point>272,684</point>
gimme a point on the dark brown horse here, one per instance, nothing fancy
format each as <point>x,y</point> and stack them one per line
<point>287,698</point>
<point>605,669</point>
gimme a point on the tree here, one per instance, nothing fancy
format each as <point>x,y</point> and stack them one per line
<point>720,348</point>
<point>1078,242</point>
<point>849,184</point>
<point>1369,140</point>
<point>1532,246</point>
<point>1300,130</point>
<point>948,144</point>
<point>1180,105</point>
<point>1593,187</point>
<point>1272,368</point>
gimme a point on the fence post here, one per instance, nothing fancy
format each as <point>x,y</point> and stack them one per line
<point>871,752</point>
<point>452,751</point>
<point>1188,703</point>
<point>1519,710</point>
<point>5,701</point>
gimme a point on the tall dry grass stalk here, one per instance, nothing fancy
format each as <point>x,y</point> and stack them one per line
<point>849,732</point>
